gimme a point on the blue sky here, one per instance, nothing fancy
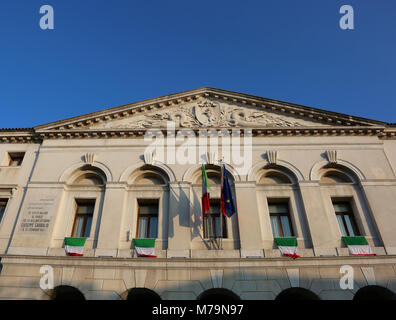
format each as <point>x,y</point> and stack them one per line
<point>107,53</point>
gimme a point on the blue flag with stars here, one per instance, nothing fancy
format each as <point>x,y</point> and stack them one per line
<point>227,204</point>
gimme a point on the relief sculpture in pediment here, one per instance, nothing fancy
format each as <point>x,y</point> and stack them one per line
<point>204,114</point>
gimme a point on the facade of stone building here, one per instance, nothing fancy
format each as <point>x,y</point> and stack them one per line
<point>98,176</point>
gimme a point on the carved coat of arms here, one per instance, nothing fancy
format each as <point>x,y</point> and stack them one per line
<point>208,113</point>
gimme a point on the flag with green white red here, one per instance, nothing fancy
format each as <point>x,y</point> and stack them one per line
<point>145,247</point>
<point>287,246</point>
<point>205,192</point>
<point>75,246</point>
<point>358,246</point>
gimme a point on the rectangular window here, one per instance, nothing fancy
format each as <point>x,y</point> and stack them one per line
<point>345,218</point>
<point>16,159</point>
<point>280,219</point>
<point>212,227</point>
<point>83,220</point>
<point>147,219</point>
<point>3,206</point>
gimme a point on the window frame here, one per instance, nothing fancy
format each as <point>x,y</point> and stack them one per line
<point>279,215</point>
<point>79,202</point>
<point>141,202</point>
<point>352,219</point>
<point>15,157</point>
<point>4,208</point>
<point>212,217</point>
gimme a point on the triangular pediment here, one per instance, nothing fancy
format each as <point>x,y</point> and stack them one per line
<point>208,108</point>
<point>205,114</point>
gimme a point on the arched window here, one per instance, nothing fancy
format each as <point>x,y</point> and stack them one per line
<point>84,193</point>
<point>211,231</point>
<point>148,195</point>
<point>215,225</point>
<point>373,292</point>
<point>281,209</point>
<point>66,293</point>
<point>142,294</point>
<point>218,294</point>
<point>349,208</point>
<point>89,183</point>
<point>296,294</point>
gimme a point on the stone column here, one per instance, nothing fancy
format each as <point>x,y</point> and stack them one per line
<point>179,226</point>
<point>248,220</point>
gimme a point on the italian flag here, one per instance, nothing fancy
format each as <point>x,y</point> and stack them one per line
<point>145,247</point>
<point>358,246</point>
<point>287,246</point>
<point>205,192</point>
<point>74,246</point>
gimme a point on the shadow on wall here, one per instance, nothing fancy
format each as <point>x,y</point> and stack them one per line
<point>178,202</point>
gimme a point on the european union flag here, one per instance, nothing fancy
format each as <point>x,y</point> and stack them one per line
<point>227,201</point>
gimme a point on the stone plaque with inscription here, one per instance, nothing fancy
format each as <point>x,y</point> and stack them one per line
<point>37,216</point>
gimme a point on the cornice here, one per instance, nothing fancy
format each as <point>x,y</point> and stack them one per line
<point>124,111</point>
<point>281,107</point>
<point>261,132</point>
<point>388,133</point>
<point>37,137</point>
<point>16,136</point>
<point>197,263</point>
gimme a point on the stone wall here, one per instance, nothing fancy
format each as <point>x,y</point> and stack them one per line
<point>186,279</point>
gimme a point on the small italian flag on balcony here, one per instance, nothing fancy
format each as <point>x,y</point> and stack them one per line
<point>358,246</point>
<point>74,246</point>
<point>287,246</point>
<point>145,247</point>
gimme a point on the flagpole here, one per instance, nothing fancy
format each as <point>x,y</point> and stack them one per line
<point>221,214</point>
